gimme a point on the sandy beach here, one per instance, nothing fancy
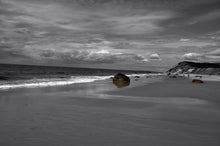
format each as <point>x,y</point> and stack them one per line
<point>152,112</point>
<point>109,73</point>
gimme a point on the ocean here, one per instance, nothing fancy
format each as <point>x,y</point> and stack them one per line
<point>31,76</point>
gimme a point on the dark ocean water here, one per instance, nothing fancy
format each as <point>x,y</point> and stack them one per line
<point>17,76</point>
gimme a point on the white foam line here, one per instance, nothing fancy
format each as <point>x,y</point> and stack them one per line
<point>150,74</point>
<point>34,84</point>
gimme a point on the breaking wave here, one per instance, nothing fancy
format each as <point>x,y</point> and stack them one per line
<point>33,83</point>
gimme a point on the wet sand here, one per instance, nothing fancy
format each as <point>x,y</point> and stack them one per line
<point>163,113</point>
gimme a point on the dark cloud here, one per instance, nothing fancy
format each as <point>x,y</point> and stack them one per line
<point>112,32</point>
<point>199,18</point>
<point>47,54</point>
<point>9,55</point>
<point>215,52</point>
<point>86,56</point>
<point>214,55</point>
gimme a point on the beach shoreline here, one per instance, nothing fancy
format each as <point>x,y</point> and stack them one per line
<point>151,111</point>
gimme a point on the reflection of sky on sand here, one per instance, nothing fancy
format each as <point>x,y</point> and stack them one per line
<point>205,77</point>
<point>162,100</point>
<point>139,80</point>
<point>97,88</point>
<point>82,113</point>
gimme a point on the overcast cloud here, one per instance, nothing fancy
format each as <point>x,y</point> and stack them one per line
<point>109,33</point>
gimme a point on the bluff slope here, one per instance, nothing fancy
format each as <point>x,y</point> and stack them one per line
<point>196,68</point>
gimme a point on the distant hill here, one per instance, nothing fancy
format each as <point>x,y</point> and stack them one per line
<point>196,68</point>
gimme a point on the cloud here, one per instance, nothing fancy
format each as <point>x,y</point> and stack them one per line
<point>47,54</point>
<point>110,18</point>
<point>193,17</point>
<point>191,56</point>
<point>137,24</point>
<point>108,31</point>
<point>188,43</point>
<point>184,40</point>
<point>214,55</point>
<point>91,56</point>
<point>215,52</point>
<point>103,52</point>
<point>154,57</point>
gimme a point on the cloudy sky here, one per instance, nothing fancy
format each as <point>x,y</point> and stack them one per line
<point>125,34</point>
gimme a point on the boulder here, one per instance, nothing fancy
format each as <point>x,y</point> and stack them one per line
<point>120,84</point>
<point>121,80</point>
<point>121,77</point>
<point>197,81</point>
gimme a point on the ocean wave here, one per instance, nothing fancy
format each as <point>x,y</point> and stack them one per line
<point>33,83</point>
<point>47,82</point>
<point>146,74</point>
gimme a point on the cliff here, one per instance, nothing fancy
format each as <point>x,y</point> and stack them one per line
<point>196,68</point>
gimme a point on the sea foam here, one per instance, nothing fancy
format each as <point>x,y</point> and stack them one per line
<point>33,83</point>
